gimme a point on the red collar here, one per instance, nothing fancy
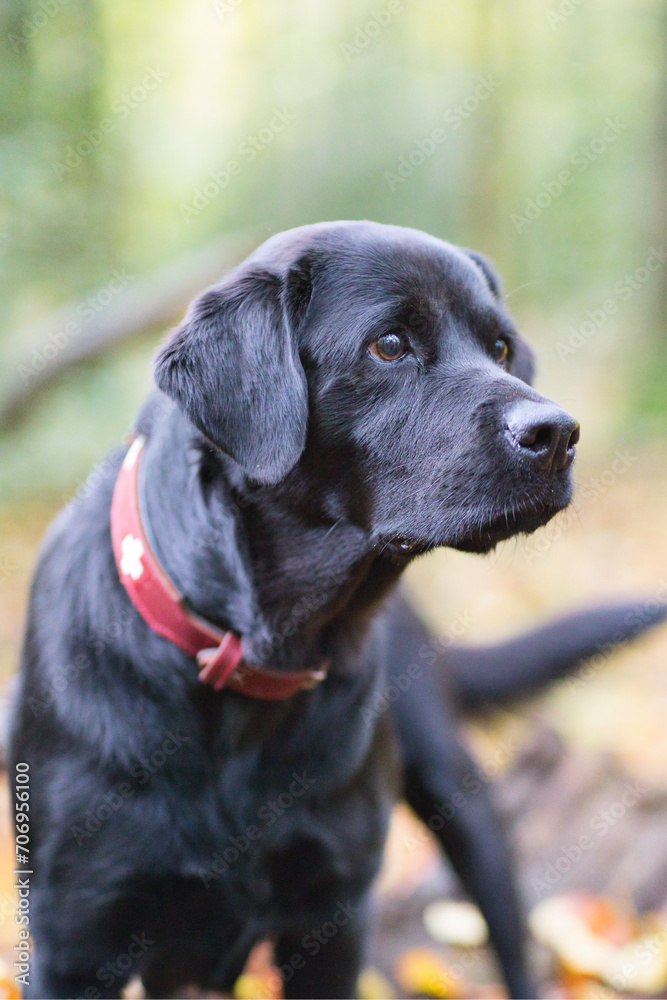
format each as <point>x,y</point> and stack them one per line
<point>219,654</point>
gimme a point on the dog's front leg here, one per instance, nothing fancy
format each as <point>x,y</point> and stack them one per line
<point>325,961</point>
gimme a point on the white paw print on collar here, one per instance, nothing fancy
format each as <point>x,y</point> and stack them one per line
<point>132,550</point>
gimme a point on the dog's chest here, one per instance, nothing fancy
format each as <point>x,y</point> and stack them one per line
<point>288,846</point>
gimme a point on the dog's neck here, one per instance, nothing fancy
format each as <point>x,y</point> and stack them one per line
<point>266,562</point>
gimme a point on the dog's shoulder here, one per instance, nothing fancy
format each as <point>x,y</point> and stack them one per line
<point>155,409</point>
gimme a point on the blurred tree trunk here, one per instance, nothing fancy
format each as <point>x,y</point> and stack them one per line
<point>484,192</point>
<point>650,387</point>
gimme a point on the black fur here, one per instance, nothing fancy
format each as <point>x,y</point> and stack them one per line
<point>287,487</point>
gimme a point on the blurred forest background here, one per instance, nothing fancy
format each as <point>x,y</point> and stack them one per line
<point>115,114</point>
<point>146,147</point>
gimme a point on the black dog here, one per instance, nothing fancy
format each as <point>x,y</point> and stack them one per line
<point>349,397</point>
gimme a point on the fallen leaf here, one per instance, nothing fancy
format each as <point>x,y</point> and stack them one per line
<point>578,987</point>
<point>422,971</point>
<point>373,985</point>
<point>133,991</point>
<point>593,938</point>
<point>254,986</point>
<point>9,989</point>
<point>456,923</point>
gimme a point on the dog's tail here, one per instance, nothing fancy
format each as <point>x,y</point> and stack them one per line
<point>496,675</point>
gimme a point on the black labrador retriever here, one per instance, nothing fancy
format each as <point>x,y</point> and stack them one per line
<point>352,395</point>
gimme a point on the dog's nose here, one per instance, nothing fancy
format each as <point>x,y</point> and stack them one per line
<point>544,433</point>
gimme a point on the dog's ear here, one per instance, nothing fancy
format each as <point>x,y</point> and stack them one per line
<point>524,361</point>
<point>233,368</point>
<point>484,264</point>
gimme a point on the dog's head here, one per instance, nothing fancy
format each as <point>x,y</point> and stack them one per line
<point>380,365</point>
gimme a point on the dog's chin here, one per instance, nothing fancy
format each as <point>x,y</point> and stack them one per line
<point>484,536</point>
<point>479,535</point>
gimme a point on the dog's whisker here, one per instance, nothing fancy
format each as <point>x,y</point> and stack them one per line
<point>333,526</point>
<point>515,290</point>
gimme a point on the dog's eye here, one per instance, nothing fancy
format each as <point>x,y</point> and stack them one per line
<point>391,347</point>
<point>501,352</point>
